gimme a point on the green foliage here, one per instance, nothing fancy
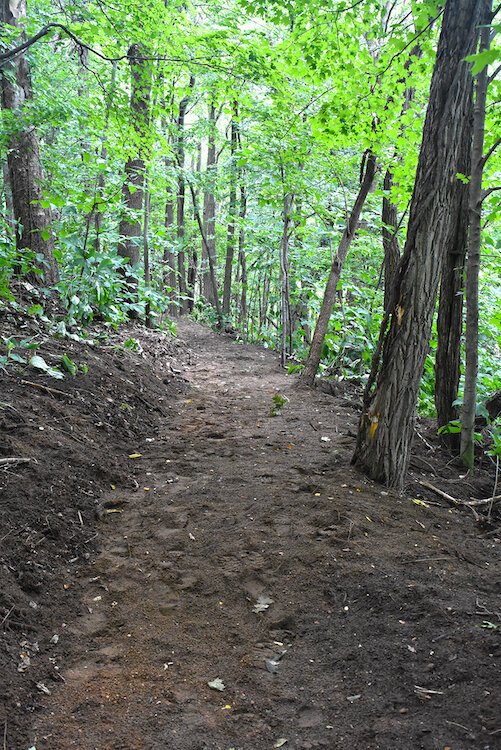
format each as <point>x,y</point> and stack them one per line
<point>495,448</point>
<point>39,363</point>
<point>278,402</point>
<point>132,345</point>
<point>11,356</point>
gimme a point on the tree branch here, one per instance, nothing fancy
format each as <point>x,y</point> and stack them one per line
<point>486,193</point>
<point>9,54</point>
<point>489,153</point>
<point>494,75</point>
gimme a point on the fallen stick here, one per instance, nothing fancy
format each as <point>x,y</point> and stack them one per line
<point>441,493</point>
<point>13,460</point>
<point>468,503</point>
<point>46,388</point>
<point>476,501</point>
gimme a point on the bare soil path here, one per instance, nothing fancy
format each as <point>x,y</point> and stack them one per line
<point>335,614</point>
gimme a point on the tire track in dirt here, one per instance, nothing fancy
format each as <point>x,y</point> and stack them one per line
<point>235,508</point>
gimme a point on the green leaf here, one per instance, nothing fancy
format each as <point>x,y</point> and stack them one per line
<point>482,59</point>
<point>17,358</point>
<point>68,365</point>
<point>39,363</point>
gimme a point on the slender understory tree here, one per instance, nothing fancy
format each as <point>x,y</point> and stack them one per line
<point>368,172</point>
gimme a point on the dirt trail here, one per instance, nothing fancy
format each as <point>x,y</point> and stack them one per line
<point>367,600</point>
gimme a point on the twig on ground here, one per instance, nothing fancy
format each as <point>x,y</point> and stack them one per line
<point>13,460</point>
<point>441,493</point>
<point>425,559</point>
<point>484,501</point>
<point>7,615</point>
<point>428,445</point>
<point>47,389</point>
<point>455,723</point>
<point>455,501</point>
<point>419,459</point>
<point>482,610</point>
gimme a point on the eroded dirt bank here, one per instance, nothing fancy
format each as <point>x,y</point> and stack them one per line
<point>248,552</point>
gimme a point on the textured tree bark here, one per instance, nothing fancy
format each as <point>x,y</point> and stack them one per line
<point>468,412</point>
<point>307,377</point>
<point>450,307</point>
<point>209,211</point>
<point>387,424</point>
<point>132,188</point>
<point>232,209</point>
<point>7,199</point>
<point>34,239</point>
<point>391,245</point>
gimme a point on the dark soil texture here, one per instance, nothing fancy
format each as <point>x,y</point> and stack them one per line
<point>168,533</point>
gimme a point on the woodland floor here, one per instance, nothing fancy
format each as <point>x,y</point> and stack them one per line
<point>380,621</point>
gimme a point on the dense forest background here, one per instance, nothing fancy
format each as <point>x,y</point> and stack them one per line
<point>225,161</point>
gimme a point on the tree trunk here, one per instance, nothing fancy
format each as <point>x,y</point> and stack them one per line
<point>34,239</point>
<point>450,307</point>
<point>230,240</point>
<point>169,259</point>
<point>181,192</point>
<point>387,424</point>
<point>132,189</point>
<point>146,252</point>
<point>391,245</point>
<point>209,211</point>
<point>242,260</point>
<point>212,268</point>
<point>468,411</point>
<point>285,296</point>
<point>7,196</point>
<point>307,377</point>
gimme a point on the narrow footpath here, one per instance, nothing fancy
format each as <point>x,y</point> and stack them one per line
<point>256,592</point>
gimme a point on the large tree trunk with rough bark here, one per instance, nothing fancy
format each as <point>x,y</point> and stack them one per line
<point>132,189</point>
<point>34,239</point>
<point>387,424</point>
<point>307,377</point>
